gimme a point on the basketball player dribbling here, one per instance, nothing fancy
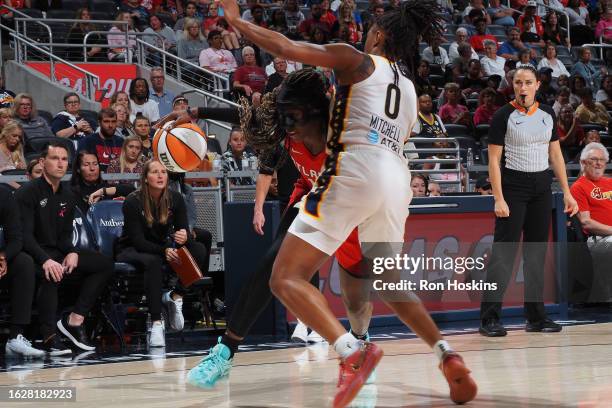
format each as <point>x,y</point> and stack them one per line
<point>365,184</point>
<point>276,135</point>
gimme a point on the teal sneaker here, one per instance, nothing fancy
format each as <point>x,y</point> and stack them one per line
<point>215,366</point>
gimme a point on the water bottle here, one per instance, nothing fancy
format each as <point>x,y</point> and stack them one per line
<point>470,157</point>
<point>149,326</point>
<point>254,163</point>
<point>216,163</point>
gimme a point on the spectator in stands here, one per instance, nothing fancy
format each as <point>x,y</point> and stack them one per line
<point>307,26</point>
<point>483,186</point>
<point>603,30</point>
<point>603,96</point>
<point>319,36</point>
<point>473,82</point>
<point>191,12</point>
<point>477,40</point>
<point>106,144</point>
<point>6,96</point>
<point>121,51</point>
<point>142,129</point>
<point>433,190</point>
<point>121,97</point>
<point>461,36</point>
<point>500,14</point>
<point>215,58</point>
<point>6,115</point>
<point>293,15</point>
<point>140,102</point>
<point>124,126</point>
<point>512,46</point>
<point>77,34</point>
<point>563,80</point>
<point>475,10</point>
<point>486,107</point>
<point>158,93</point>
<point>16,275</point>
<point>419,184</point>
<point>257,13</point>
<point>11,147</point>
<point>86,180</point>
<point>451,111</point>
<point>162,37</point>
<point>191,43</point>
<point>590,111</point>
<point>25,113</point>
<point>571,134</point>
<point>47,237</point>
<point>491,63</point>
<point>553,32</point>
<point>563,98</point>
<point>592,136</point>
<point>421,81</point>
<point>327,14</point>
<point>462,63</point>
<point>278,22</point>
<point>546,93</point>
<point>69,123</point>
<point>428,124</point>
<point>550,61</point>
<point>155,221</point>
<point>536,21</point>
<point>434,54</point>
<point>237,156</point>
<point>347,25</point>
<point>577,82</point>
<point>587,70</point>
<point>580,23</point>
<point>229,39</point>
<point>34,169</point>
<point>593,192</point>
<point>524,59</point>
<point>527,33</point>
<point>250,78</point>
<point>280,73</point>
<point>131,159</point>
<point>136,11</point>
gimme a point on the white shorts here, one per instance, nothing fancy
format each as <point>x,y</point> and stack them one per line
<point>370,190</point>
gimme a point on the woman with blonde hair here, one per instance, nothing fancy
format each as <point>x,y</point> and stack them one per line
<point>11,147</point>
<point>6,114</point>
<point>131,159</point>
<point>191,42</point>
<point>116,39</point>
<point>155,225</point>
<point>124,125</point>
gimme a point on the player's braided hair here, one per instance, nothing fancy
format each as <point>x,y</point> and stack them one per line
<point>404,28</point>
<point>260,124</point>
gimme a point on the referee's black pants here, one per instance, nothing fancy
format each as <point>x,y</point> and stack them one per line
<point>94,271</point>
<point>529,199</point>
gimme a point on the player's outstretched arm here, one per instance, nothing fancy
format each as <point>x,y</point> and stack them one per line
<point>340,57</point>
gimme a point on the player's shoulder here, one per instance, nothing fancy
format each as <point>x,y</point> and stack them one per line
<point>504,112</point>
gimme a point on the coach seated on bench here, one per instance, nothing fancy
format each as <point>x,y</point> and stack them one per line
<point>155,224</point>
<point>593,192</point>
<point>16,274</point>
<point>47,214</point>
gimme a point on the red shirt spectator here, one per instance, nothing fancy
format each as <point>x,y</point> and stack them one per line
<point>476,41</point>
<point>250,77</point>
<point>16,4</point>
<point>306,27</point>
<point>537,20</point>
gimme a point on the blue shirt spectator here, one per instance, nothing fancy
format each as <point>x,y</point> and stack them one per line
<point>157,93</point>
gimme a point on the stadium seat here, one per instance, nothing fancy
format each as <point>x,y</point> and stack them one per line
<point>454,130</point>
<point>437,80</point>
<point>484,156</point>
<point>466,142</point>
<point>107,6</point>
<point>74,5</point>
<point>46,115</point>
<point>13,172</point>
<point>497,30</point>
<point>37,145</point>
<point>482,131</point>
<point>562,50</point>
<point>91,117</point>
<point>67,13</point>
<point>472,104</point>
<point>592,126</point>
<point>435,69</point>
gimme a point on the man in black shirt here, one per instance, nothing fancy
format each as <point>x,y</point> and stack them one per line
<point>47,211</point>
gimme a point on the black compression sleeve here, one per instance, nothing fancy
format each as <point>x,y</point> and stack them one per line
<point>229,115</point>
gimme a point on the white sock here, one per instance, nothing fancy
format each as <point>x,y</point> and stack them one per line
<point>442,348</point>
<point>346,345</point>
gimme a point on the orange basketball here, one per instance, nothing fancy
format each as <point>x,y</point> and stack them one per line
<point>180,149</point>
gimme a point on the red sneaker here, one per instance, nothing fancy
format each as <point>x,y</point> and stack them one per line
<point>462,387</point>
<point>354,371</point>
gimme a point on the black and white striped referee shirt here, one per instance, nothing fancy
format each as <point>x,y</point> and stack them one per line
<point>525,136</point>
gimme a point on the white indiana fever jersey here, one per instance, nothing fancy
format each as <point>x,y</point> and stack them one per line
<point>374,112</point>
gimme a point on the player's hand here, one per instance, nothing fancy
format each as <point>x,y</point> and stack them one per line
<point>54,271</point>
<point>231,11</point>
<point>177,117</point>
<point>70,262</point>
<point>172,255</point>
<point>501,209</point>
<point>570,204</point>
<point>180,236</point>
<point>258,222</point>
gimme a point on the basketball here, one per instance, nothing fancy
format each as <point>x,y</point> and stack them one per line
<point>180,149</point>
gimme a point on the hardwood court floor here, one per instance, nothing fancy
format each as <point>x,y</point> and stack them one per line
<point>568,369</point>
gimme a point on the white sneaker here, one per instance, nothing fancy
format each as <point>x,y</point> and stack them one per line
<point>157,337</point>
<point>315,337</point>
<point>300,334</point>
<point>175,311</point>
<point>23,347</point>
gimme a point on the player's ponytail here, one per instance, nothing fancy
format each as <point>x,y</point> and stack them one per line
<point>405,27</point>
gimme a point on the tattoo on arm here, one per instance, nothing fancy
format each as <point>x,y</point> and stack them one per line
<point>363,70</point>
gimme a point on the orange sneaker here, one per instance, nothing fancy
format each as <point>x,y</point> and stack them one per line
<point>462,387</point>
<point>354,371</point>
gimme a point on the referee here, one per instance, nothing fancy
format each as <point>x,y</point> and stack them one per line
<point>523,142</point>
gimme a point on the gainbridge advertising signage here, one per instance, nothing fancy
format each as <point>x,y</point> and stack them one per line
<point>113,77</point>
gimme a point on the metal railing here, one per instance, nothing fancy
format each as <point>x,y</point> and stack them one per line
<point>453,151</point>
<point>540,4</point>
<point>17,20</point>
<point>92,81</point>
<point>601,47</point>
